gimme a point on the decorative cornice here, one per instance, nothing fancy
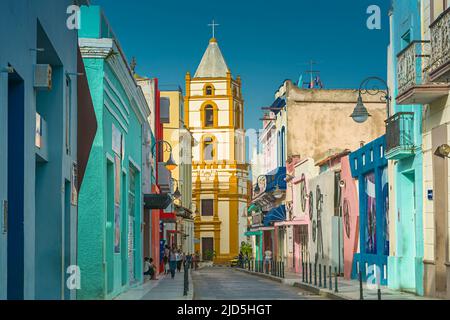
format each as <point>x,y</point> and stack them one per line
<point>108,50</point>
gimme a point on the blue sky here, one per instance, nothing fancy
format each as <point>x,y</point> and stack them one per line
<point>265,42</point>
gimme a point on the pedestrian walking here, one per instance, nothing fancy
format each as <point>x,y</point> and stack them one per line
<point>267,259</point>
<point>166,264</point>
<point>172,262</point>
<point>196,259</point>
<point>179,260</point>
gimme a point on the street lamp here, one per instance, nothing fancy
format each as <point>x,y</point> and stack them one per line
<point>177,194</point>
<point>278,193</point>
<point>443,151</point>
<point>360,113</point>
<point>170,164</point>
<point>257,189</point>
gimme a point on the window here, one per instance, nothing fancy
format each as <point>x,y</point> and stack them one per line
<point>208,149</point>
<point>237,114</point>
<point>209,116</point>
<point>208,207</point>
<point>209,90</point>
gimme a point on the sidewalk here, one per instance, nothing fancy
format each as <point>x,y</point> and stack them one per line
<point>347,289</point>
<point>165,288</point>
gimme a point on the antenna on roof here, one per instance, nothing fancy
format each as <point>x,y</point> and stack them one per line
<point>314,78</point>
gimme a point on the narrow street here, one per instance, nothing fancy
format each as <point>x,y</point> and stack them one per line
<point>222,283</point>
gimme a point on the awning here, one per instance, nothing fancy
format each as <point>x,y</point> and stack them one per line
<point>174,231</point>
<point>168,216</point>
<point>157,201</point>
<point>276,214</point>
<point>253,233</point>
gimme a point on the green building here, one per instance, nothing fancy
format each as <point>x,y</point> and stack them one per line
<point>110,204</point>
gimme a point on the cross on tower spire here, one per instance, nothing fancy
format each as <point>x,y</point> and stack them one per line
<point>213,25</point>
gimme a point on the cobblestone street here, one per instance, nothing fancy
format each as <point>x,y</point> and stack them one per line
<point>221,283</point>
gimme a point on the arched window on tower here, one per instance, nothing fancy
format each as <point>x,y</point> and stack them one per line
<point>208,149</point>
<point>209,90</point>
<point>209,116</point>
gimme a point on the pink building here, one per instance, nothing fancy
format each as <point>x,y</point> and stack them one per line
<point>350,215</point>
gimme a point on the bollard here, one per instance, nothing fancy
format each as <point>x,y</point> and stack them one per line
<point>361,294</point>
<point>315,274</point>
<point>186,281</point>
<point>306,274</point>
<point>320,275</point>
<point>378,277</point>
<point>335,280</point>
<point>310,273</point>
<point>329,279</point>
<point>325,277</point>
<point>282,269</point>
<point>303,272</point>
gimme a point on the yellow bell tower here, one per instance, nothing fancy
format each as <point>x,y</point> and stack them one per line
<point>214,113</point>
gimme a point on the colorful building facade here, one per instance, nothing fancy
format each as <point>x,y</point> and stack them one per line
<point>43,152</point>
<point>109,222</point>
<point>214,113</point>
<point>422,79</point>
<point>369,165</point>
<point>404,150</point>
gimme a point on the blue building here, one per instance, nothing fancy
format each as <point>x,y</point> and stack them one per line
<point>404,148</point>
<point>369,165</point>
<point>40,73</point>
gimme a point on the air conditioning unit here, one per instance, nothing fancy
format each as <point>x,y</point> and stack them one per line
<point>43,76</point>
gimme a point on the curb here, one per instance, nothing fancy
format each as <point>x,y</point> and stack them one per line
<point>315,290</point>
<point>262,275</point>
<point>190,295</point>
<point>322,292</point>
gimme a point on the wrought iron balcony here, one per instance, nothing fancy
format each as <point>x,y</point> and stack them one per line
<point>439,70</point>
<point>411,63</point>
<point>400,136</point>
<point>413,77</point>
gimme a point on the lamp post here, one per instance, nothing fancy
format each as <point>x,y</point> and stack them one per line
<point>170,164</point>
<point>360,113</point>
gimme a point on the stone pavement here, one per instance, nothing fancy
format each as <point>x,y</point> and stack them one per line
<point>347,289</point>
<point>165,288</point>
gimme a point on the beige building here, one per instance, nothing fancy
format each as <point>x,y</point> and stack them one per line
<point>319,120</point>
<point>214,114</point>
<point>181,140</point>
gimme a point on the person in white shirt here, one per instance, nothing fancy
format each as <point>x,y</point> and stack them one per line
<point>267,259</point>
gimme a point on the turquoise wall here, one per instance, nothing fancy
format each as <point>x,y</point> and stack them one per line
<point>405,269</point>
<point>105,273</point>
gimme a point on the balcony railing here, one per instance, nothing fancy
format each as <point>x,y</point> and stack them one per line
<point>411,65</point>
<point>400,136</point>
<point>440,48</point>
